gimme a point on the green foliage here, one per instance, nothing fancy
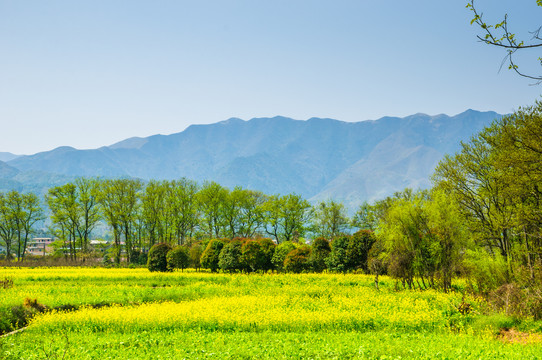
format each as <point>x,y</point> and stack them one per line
<point>280,254</point>
<point>319,254</point>
<point>18,215</point>
<point>212,200</point>
<point>178,258</point>
<point>253,255</point>
<point>298,260</point>
<point>210,257</point>
<point>286,217</point>
<point>196,251</point>
<point>358,248</point>
<point>485,271</point>
<point>338,259</point>
<point>157,257</point>
<point>229,258</point>
<point>330,219</point>
<point>268,251</point>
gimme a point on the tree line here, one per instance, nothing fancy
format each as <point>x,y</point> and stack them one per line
<point>140,214</point>
<point>345,253</point>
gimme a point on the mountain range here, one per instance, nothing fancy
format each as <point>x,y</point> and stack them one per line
<point>317,158</point>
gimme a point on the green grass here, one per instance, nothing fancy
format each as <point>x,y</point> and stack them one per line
<point>267,316</point>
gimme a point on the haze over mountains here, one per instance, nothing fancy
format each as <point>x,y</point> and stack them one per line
<point>318,158</point>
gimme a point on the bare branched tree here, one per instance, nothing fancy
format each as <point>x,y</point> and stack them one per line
<point>500,35</point>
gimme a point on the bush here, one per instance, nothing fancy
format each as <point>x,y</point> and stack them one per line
<point>210,257</point>
<point>320,253</point>
<point>253,255</point>
<point>196,250</point>
<point>338,260</point>
<point>486,271</point>
<point>297,260</point>
<point>230,256</point>
<point>268,249</point>
<point>280,254</point>
<point>358,249</point>
<point>157,257</point>
<point>178,258</point>
<point>142,258</point>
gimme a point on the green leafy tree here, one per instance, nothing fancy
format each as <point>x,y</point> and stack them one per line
<point>75,212</point>
<point>157,257</point>
<point>178,258</point>
<point>280,253</point>
<point>368,216</point>
<point>66,214</point>
<point>298,260</point>
<point>267,247</point>
<point>330,219</point>
<point>286,217</point>
<point>211,199</point>
<point>183,205</point>
<point>423,237</point>
<point>120,203</point>
<point>211,254</point>
<point>253,255</point>
<point>252,210</point>
<point>319,254</point>
<point>338,259</point>
<point>26,211</point>
<point>358,249</point>
<point>229,258</point>
<point>153,204</point>
<point>495,179</point>
<point>232,212</point>
<point>8,228</point>
<point>196,251</point>
<point>87,201</point>
<point>408,242</point>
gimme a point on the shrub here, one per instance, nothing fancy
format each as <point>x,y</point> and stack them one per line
<point>196,250</point>
<point>337,260</point>
<point>358,248</point>
<point>134,257</point>
<point>178,258</point>
<point>486,271</point>
<point>280,254</point>
<point>210,257</point>
<point>142,258</point>
<point>253,256</point>
<point>320,253</point>
<point>297,260</point>
<point>268,249</point>
<point>230,256</point>
<point>157,257</point>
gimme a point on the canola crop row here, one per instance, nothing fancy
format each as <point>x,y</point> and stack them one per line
<point>195,315</point>
<point>366,311</point>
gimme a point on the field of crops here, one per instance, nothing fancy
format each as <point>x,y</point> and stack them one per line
<point>135,314</point>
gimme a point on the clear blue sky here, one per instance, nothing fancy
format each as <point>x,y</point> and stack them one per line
<point>90,73</point>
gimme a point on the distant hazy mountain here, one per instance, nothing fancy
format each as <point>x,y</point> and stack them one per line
<point>6,156</point>
<point>318,158</point>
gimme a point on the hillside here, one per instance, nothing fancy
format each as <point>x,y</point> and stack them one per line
<point>318,158</point>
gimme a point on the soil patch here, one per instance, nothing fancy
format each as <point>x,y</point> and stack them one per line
<point>515,336</point>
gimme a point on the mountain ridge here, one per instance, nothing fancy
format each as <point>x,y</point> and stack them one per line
<point>318,158</point>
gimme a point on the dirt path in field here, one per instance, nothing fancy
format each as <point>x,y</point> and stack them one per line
<point>13,332</point>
